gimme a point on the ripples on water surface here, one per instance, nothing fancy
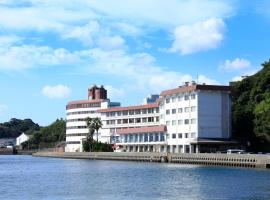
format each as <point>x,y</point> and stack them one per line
<point>27,178</point>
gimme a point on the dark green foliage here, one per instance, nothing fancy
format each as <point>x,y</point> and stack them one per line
<point>15,127</point>
<point>47,137</point>
<point>93,124</point>
<point>97,147</point>
<point>251,109</point>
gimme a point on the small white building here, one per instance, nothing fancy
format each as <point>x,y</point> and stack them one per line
<point>22,138</point>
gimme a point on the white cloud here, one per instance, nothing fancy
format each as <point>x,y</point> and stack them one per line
<point>111,42</point>
<point>206,80</point>
<point>84,33</point>
<point>17,58</point>
<point>8,40</point>
<point>56,92</point>
<point>114,93</point>
<point>164,13</point>
<point>236,64</point>
<point>246,74</point>
<point>139,70</point>
<point>60,15</point>
<point>197,37</point>
<point>3,108</point>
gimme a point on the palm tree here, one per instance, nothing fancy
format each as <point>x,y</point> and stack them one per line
<point>97,124</point>
<point>91,131</point>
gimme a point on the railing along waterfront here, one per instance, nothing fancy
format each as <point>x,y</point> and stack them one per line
<point>233,160</point>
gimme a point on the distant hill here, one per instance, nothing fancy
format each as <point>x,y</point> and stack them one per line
<point>251,110</point>
<point>15,127</point>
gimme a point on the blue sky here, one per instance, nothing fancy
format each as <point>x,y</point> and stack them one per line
<point>52,51</point>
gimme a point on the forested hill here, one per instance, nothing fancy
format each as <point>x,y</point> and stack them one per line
<point>251,109</point>
<point>15,127</point>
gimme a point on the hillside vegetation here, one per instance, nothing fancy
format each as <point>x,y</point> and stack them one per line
<point>15,127</point>
<point>251,110</point>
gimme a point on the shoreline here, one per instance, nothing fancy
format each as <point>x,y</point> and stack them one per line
<point>232,160</point>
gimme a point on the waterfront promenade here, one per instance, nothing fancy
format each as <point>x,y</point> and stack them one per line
<point>234,160</point>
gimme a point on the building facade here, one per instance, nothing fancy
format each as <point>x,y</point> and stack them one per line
<point>78,111</point>
<point>188,119</point>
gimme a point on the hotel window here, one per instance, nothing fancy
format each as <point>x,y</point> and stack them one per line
<point>167,100</point>
<point>141,138</point>
<point>167,112</point>
<point>138,120</point>
<point>107,122</point>
<point>168,123</point>
<point>151,137</point>
<point>173,136</point>
<point>186,135</point>
<point>131,121</point>
<point>193,96</point>
<point>162,137</point>
<point>192,135</point>
<point>146,137</point>
<point>173,111</point>
<point>161,116</point>
<point>112,122</point>
<point>186,109</point>
<point>144,111</point>
<point>180,122</point>
<point>193,121</point>
<point>113,114</point>
<point>157,119</point>
<point>186,97</point>
<point>131,112</point>
<point>119,121</point>
<point>173,122</point>
<point>167,136</point>
<point>144,119</point>
<point>136,138</point>
<point>180,135</point>
<point>125,121</point>
<point>180,110</point>
<point>125,112</point>
<point>186,121</point>
<point>157,110</point>
<point>173,99</point>
<point>131,138</point>
<point>180,98</point>
<point>156,137</point>
<point>118,113</point>
<point>150,110</point>
<point>193,108</point>
<point>137,112</point>
<point>150,119</point>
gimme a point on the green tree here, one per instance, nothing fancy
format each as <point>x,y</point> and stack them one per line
<point>93,125</point>
<point>97,124</point>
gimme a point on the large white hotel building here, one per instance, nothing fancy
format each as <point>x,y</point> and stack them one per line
<point>188,119</point>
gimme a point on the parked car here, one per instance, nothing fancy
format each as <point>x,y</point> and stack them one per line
<point>237,151</point>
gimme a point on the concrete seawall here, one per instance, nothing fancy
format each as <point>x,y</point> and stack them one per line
<point>234,160</point>
<point>7,151</point>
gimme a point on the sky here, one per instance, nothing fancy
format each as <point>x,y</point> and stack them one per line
<point>52,51</point>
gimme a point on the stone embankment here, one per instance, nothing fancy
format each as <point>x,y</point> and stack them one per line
<point>7,151</point>
<point>234,160</point>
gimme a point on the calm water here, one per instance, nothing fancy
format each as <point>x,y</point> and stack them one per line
<point>26,178</point>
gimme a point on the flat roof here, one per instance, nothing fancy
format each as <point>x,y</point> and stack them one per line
<point>189,88</point>
<point>87,101</point>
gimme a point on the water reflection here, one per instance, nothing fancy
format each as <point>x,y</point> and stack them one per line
<point>25,177</point>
